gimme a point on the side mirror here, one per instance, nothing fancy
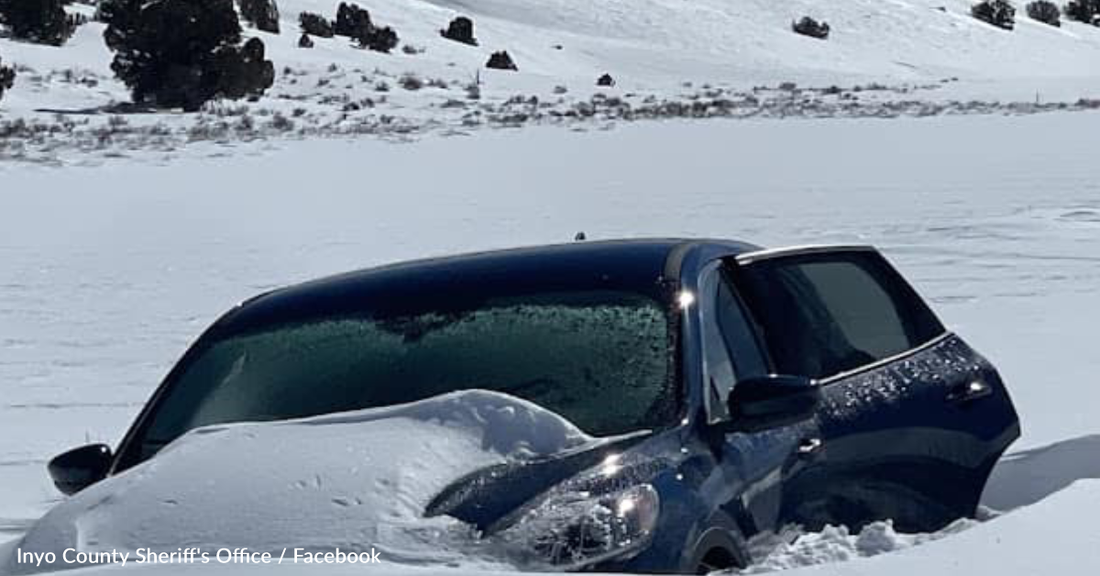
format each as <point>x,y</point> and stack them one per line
<point>771,401</point>
<point>81,467</point>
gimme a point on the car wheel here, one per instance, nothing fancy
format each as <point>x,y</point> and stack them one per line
<point>720,548</point>
<point>716,559</point>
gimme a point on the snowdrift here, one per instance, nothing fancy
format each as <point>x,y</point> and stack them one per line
<point>353,481</point>
<point>1056,538</point>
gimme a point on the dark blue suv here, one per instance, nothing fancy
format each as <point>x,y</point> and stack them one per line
<point>741,391</point>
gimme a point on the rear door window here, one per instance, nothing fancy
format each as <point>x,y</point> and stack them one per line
<point>822,313</point>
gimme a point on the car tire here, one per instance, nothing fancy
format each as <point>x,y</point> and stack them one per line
<point>715,560</point>
<point>720,547</point>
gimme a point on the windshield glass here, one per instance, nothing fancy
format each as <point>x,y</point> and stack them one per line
<point>600,359</point>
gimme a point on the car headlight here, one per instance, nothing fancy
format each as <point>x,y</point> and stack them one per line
<point>573,530</point>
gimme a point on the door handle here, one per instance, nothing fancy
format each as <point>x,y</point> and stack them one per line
<point>969,392</point>
<point>809,448</point>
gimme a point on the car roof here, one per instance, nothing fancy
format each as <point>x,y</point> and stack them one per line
<point>638,265</point>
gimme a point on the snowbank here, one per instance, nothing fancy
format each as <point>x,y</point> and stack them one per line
<point>352,481</point>
<point>1057,538</point>
<point>838,544</point>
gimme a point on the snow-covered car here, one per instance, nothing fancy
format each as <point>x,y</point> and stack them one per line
<point>656,405</point>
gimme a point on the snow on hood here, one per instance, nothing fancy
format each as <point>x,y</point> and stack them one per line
<point>352,480</point>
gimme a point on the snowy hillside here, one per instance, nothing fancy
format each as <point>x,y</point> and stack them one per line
<point>660,43</point>
<point>656,43</point>
<point>670,58</point>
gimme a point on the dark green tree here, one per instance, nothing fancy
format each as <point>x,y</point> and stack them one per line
<point>1045,11</point>
<point>355,23</point>
<point>41,21</point>
<point>461,29</point>
<point>501,61</point>
<point>261,14</point>
<point>809,27</point>
<point>999,13</point>
<point>315,25</point>
<point>379,39</point>
<point>183,53</point>
<point>7,78</point>
<point>1087,11</point>
<point>352,21</point>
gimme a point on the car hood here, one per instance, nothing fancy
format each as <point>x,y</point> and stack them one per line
<point>351,481</point>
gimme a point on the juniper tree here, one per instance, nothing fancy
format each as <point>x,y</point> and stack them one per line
<point>7,78</point>
<point>1087,11</point>
<point>182,53</point>
<point>315,25</point>
<point>378,39</point>
<point>1045,11</point>
<point>809,27</point>
<point>999,13</point>
<point>501,61</point>
<point>261,14</point>
<point>40,21</point>
<point>461,29</point>
<point>352,21</point>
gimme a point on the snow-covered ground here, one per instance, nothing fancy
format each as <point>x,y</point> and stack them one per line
<point>107,273</point>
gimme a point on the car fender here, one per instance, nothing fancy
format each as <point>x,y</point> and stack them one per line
<point>720,534</point>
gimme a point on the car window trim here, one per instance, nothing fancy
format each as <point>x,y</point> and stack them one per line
<point>884,361</point>
<point>801,250</point>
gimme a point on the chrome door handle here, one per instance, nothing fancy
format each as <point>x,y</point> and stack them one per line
<point>809,447</point>
<point>969,392</point>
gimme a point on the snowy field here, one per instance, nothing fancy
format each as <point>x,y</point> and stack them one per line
<point>107,273</point>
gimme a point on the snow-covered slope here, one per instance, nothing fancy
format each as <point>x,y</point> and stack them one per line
<point>748,40</point>
<point>665,42</point>
<point>667,57</point>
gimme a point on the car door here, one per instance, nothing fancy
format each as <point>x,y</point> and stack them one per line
<point>760,471</point>
<point>912,419</point>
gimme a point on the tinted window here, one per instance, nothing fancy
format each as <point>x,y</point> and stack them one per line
<point>600,359</point>
<point>730,349</point>
<point>747,359</point>
<point>717,366</point>
<point>822,314</point>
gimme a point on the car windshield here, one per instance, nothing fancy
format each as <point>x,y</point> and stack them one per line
<point>599,359</point>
